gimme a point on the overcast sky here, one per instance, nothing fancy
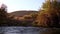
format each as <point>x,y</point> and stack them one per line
<point>14,5</point>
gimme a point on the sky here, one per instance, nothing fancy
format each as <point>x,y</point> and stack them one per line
<point>15,5</point>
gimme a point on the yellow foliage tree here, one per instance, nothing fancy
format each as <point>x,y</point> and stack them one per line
<point>49,16</point>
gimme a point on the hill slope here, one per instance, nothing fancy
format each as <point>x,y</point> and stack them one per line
<point>22,13</point>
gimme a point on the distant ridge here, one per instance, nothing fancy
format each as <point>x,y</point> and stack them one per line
<point>22,12</point>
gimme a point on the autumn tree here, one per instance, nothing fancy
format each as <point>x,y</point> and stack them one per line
<point>49,15</point>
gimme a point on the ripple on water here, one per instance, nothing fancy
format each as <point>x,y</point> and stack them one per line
<point>20,30</point>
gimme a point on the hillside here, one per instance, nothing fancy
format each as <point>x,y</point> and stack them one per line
<point>22,13</point>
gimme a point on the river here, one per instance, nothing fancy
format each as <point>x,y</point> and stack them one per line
<point>22,30</point>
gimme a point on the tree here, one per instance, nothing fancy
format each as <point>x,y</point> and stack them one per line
<point>3,10</point>
<point>34,16</point>
<point>3,14</point>
<point>49,16</point>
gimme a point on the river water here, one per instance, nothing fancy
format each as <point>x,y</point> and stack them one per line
<point>22,30</point>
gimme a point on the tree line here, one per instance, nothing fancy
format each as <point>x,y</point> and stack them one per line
<point>48,16</point>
